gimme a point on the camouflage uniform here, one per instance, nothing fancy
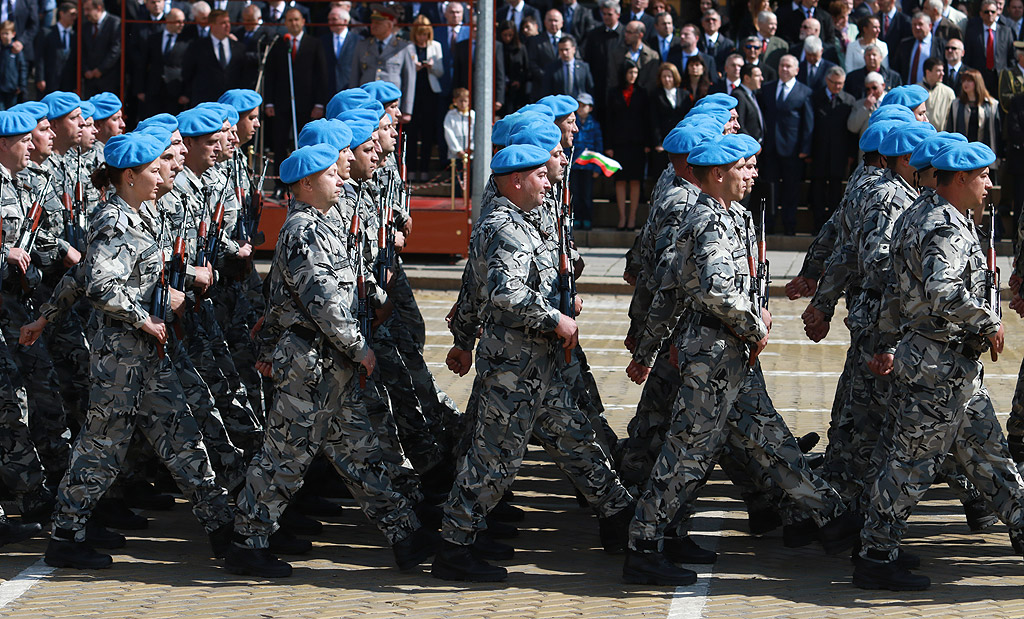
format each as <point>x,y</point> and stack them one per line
<point>713,341</point>
<point>1015,422</point>
<point>938,291</point>
<point>511,303</point>
<point>132,387</point>
<point>316,405</point>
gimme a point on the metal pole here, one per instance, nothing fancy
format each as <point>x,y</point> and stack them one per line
<point>124,40</point>
<point>483,100</point>
<point>78,55</point>
<point>291,89</point>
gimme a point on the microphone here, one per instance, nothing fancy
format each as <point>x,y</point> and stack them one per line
<point>289,42</point>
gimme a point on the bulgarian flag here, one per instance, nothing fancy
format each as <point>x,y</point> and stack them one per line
<point>608,165</point>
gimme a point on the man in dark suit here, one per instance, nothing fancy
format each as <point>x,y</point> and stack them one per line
<point>748,111</point>
<point>449,36</point>
<point>751,49</point>
<point>791,19</point>
<point>813,67</point>
<point>568,75</point>
<point>339,45</point>
<point>810,28</point>
<point>833,147</point>
<point>578,19</point>
<point>872,64</point>
<point>213,64</point>
<point>160,72</point>
<point>789,117</point>
<point>276,12</point>
<point>137,39</point>
<point>954,64</point>
<point>632,47</point>
<point>988,46</point>
<point>895,25</point>
<point>862,10</point>
<point>309,75</point>
<point>596,50</point>
<point>663,38</point>
<point>942,27</point>
<point>516,10</point>
<point>688,37</point>
<point>430,10</point>
<point>232,7</point>
<point>256,39</point>
<point>712,42</point>
<point>25,15</point>
<point>56,54</point>
<point>542,50</point>
<point>101,50</point>
<point>1013,17</point>
<point>908,59</point>
<point>638,12</point>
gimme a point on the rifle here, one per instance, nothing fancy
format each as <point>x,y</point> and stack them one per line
<point>763,277</point>
<point>29,231</point>
<point>256,201</point>
<point>992,274</point>
<point>79,201</point>
<point>71,233</point>
<point>160,293</point>
<point>386,236</point>
<point>362,310</point>
<point>566,285</point>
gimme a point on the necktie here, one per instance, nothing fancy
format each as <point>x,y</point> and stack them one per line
<point>568,79</point>
<point>380,47</point>
<point>168,43</point>
<point>990,51</point>
<point>451,39</point>
<point>914,62</point>
<point>554,40</point>
<point>664,49</point>
<point>67,41</point>
<point>782,94</point>
<point>728,88</point>
<point>885,25</point>
<point>810,73</point>
<point>337,45</point>
<point>224,52</point>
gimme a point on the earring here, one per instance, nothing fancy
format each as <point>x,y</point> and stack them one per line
<point>131,184</point>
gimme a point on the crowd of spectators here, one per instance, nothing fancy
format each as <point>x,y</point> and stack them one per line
<point>807,75</point>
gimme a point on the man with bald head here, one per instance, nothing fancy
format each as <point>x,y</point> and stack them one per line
<point>159,76</point>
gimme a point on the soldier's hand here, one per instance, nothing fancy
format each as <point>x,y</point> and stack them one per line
<point>637,373</point>
<point>758,347</point>
<point>459,361</point>
<point>997,340</point>
<point>881,364</point>
<point>673,355</point>
<point>629,343</point>
<point>155,327</point>
<point>72,258</point>
<point>1014,282</point>
<point>19,258</point>
<point>568,331</point>
<point>629,277</point>
<point>204,277</point>
<point>1017,304</point>
<point>399,240</point>
<point>245,251</point>
<point>407,228</point>
<point>31,332</point>
<point>177,300</point>
<point>382,314</point>
<point>369,361</point>
<point>451,313</point>
<point>800,287</point>
<point>766,317</point>
<point>264,368</point>
<point>815,325</point>
<point>578,305</point>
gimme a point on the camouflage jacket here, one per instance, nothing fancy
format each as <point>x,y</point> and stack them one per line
<point>634,257</point>
<point>884,205</point>
<point>219,184</point>
<point>938,283</point>
<point>51,245</point>
<point>390,171</point>
<point>369,227</point>
<point>15,202</point>
<point>825,242</point>
<point>312,266</point>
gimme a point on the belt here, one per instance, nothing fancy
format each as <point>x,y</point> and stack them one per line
<point>536,334</point>
<point>711,322</point>
<point>965,349</point>
<point>304,332</point>
<point>110,321</point>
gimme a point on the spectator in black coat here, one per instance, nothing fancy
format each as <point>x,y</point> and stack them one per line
<point>57,53</point>
<point>596,50</point>
<point>628,141</point>
<point>339,43</point>
<point>568,75</point>
<point>256,38</point>
<point>833,147</point>
<point>713,42</point>
<point>517,68</point>
<point>976,41</point>
<point>101,50</point>
<point>895,24</point>
<point>748,111</point>
<point>872,64</point>
<point>161,69</point>
<point>669,104</point>
<point>25,15</point>
<point>206,76</point>
<point>696,80</point>
<point>790,20</point>
<point>813,67</point>
<point>309,76</point>
<point>542,50</point>
<point>578,19</point>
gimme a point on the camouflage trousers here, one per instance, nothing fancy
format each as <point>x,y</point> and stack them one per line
<point>47,420</point>
<point>520,392</point>
<point>232,310</point>
<point>1015,422</point>
<point>714,371</point>
<point>317,408</point>
<point>20,469</point>
<point>68,344</point>
<point>132,388</point>
<point>400,293</point>
<point>944,409</point>
<point>588,398</point>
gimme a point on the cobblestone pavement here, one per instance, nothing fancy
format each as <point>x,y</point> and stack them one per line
<point>559,569</point>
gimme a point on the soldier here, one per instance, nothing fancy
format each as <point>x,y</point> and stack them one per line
<point>314,366</point>
<point>718,348</point>
<point>945,323</point>
<point>384,56</point>
<point>109,121</point>
<point>134,385</point>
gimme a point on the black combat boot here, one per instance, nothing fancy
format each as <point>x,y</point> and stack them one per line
<point>763,520</point>
<point>500,530</point>
<point>415,548</point>
<point>144,495</point>
<point>487,548</point>
<point>652,568</point>
<point>808,441</point>
<point>115,513</point>
<point>872,574</point>
<point>799,534</point>
<point>38,505</point>
<point>255,562</point>
<point>299,524</point>
<point>64,551</point>
<point>311,504</point>
<point>14,532</point>
<point>979,516</point>
<point>685,550</point>
<point>906,560</point>
<point>429,515</point>
<point>614,529</point>
<point>455,562</point>
<point>506,512</point>
<point>220,539</point>
<point>842,532</point>
<point>284,543</point>
<point>99,536</point>
<point>1016,444</point>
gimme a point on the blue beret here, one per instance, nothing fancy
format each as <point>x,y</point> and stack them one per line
<point>961,157</point>
<point>325,131</point>
<point>88,110</point>
<point>873,135</point>
<point>165,120</point>
<point>682,140</point>
<point>159,132</point>
<point>537,108</point>
<point>362,130</point>
<point>200,121</point>
<point>541,132</point>
<point>227,113</point>
<point>504,127</point>
<point>904,139</point>
<point>16,123</point>
<point>307,160</point>
<point>35,109</point>
<point>132,149</point>
<point>519,157</point>
<point>61,103</point>
<point>892,112</point>
<point>719,114</point>
<point>382,91</point>
<point>376,108</point>
<point>561,105</point>
<point>347,100</point>
<point>364,114</point>
<point>242,99</point>
<point>723,150</point>
<point>106,103</point>
<point>921,158</point>
<point>909,96</point>
<point>719,99</point>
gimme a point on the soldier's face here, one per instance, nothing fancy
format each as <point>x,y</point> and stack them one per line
<point>386,136</point>
<point>68,128</point>
<point>381,28</point>
<point>926,178</point>
<point>206,148</point>
<point>534,185</point>
<point>751,173</point>
<point>168,170</point>
<point>977,183</point>
<point>345,159</point>
<point>179,148</point>
<point>364,161</point>
<point>733,126</point>
<point>556,165</point>
<point>324,187</point>
<point>109,127</point>
<point>569,129</point>
<point>144,183</point>
<point>88,135</point>
<point>732,181</point>
<point>921,113</point>
<point>42,139</point>
<point>16,151</point>
<point>393,110</point>
<point>247,125</point>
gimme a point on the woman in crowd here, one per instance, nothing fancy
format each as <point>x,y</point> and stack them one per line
<point>975,113</point>
<point>667,108</point>
<point>517,67</point>
<point>627,140</point>
<point>745,19</point>
<point>869,29</point>
<point>429,68</point>
<point>697,82</point>
<point>846,32</point>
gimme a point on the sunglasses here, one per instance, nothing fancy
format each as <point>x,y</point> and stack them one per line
<point>753,47</point>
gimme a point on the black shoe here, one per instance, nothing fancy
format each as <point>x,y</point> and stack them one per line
<point>39,507</point>
<point>614,529</point>
<point>220,539</point>
<point>501,530</point>
<point>891,576</point>
<point>799,534</point>
<point>905,560</point>
<point>1017,540</point>
<point>429,514</point>
<point>814,461</point>
<point>841,533</point>
<point>1016,444</point>
<point>144,495</point>
<point>314,505</point>
<point>114,513</point>
<point>439,479</point>
<point>486,547</point>
<point>506,512</point>
<point>65,552</point>
<point>284,543</point>
<point>255,562</point>
<point>99,536</point>
<point>415,548</point>
<point>652,568</point>
<point>808,441</point>
<point>762,521</point>
<point>685,550</point>
<point>454,562</point>
<point>979,516</point>
<point>299,524</point>
<point>14,532</point>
